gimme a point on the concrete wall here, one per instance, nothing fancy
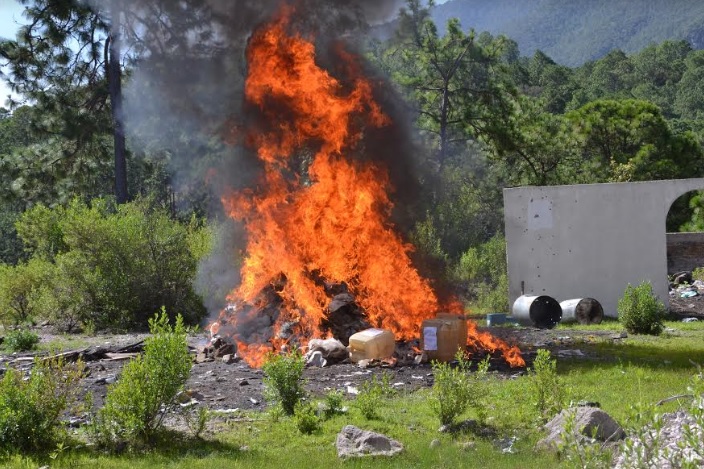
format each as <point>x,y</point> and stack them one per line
<point>589,240</point>
<point>685,251</point>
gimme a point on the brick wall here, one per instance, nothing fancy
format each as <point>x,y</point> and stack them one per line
<point>685,251</point>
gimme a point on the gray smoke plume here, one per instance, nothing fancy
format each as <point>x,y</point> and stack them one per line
<point>184,101</point>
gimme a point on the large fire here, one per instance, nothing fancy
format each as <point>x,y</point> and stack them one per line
<point>318,217</point>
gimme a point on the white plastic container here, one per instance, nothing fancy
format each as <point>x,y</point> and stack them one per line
<point>372,343</point>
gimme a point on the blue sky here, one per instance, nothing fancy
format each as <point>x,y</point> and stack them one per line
<point>10,16</point>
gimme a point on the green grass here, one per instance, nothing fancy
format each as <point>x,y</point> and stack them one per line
<point>616,373</point>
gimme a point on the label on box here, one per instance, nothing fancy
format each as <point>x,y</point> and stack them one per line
<point>430,338</point>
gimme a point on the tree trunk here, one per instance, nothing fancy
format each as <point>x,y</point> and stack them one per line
<point>115,86</point>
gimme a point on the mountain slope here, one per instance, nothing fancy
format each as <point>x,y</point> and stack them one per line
<point>573,32</point>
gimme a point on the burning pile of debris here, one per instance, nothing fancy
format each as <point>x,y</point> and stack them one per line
<point>323,259</point>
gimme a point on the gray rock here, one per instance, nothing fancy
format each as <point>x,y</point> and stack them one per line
<point>435,443</point>
<point>355,442</point>
<point>667,445</point>
<point>588,422</point>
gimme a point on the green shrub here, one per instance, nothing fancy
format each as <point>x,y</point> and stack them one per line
<point>640,311</point>
<point>282,380</point>
<point>307,421</point>
<point>369,399</point>
<point>484,268</point>
<point>456,389</point>
<point>30,410</point>
<point>546,388</point>
<point>115,265</point>
<point>137,403</point>
<point>21,340</point>
<point>698,274</point>
<point>20,289</point>
<point>333,404</point>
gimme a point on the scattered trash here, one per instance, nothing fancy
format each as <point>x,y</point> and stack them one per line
<point>330,350</point>
<point>505,444</point>
<point>688,294</point>
<point>316,359</point>
<point>352,390</point>
<point>690,320</point>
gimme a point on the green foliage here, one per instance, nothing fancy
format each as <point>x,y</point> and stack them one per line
<point>114,265</point>
<point>456,389</point>
<point>30,409</point>
<point>197,421</point>
<point>484,269</point>
<point>640,311</point>
<point>20,290</point>
<point>333,404</point>
<point>136,405</point>
<point>282,380</point>
<point>11,251</point>
<point>630,140</point>
<point>307,421</point>
<point>546,388</point>
<point>369,399</point>
<point>698,274</point>
<point>20,340</point>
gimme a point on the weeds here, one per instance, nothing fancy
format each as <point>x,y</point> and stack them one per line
<point>282,381</point>
<point>548,392</point>
<point>21,340</point>
<point>307,421</point>
<point>456,389</point>
<point>333,404</point>
<point>30,409</point>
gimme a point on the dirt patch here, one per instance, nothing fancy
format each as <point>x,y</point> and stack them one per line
<point>227,386</point>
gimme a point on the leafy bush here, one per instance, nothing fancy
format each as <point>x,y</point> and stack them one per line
<point>546,388</point>
<point>30,409</point>
<point>20,289</point>
<point>307,421</point>
<point>456,389</point>
<point>21,340</point>
<point>114,265</point>
<point>136,404</point>
<point>640,311</point>
<point>484,269</point>
<point>282,380</point>
<point>333,404</point>
<point>369,399</point>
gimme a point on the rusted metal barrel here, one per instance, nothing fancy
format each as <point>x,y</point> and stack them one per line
<point>541,311</point>
<point>582,310</point>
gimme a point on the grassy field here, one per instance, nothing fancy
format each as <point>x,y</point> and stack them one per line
<point>617,374</point>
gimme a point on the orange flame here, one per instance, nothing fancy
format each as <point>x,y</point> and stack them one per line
<point>331,222</point>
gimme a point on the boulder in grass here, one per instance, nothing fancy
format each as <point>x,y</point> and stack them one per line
<point>354,442</point>
<point>587,422</point>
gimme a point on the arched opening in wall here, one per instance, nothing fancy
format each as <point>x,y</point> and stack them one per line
<point>685,255</point>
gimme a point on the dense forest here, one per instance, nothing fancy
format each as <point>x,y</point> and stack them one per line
<point>482,117</point>
<point>576,32</point>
